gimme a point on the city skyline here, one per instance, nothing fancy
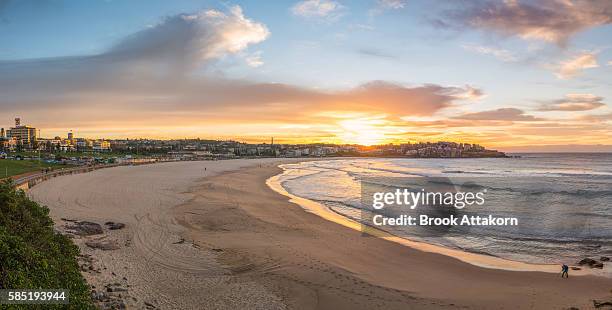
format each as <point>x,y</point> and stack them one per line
<point>510,75</point>
<point>543,148</point>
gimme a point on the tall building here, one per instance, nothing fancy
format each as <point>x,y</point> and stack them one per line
<point>24,135</point>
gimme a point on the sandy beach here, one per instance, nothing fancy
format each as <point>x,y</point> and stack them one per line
<point>213,235</point>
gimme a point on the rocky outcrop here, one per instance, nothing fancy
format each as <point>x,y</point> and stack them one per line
<point>591,263</point>
<point>114,225</point>
<point>84,228</point>
<point>93,237</point>
<point>602,303</point>
<point>587,261</point>
<point>103,244</point>
<point>107,300</point>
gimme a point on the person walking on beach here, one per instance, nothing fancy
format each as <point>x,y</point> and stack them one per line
<point>564,270</point>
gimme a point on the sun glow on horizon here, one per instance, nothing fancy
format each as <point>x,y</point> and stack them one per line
<point>362,131</point>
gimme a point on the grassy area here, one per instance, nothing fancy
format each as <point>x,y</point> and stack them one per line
<point>9,167</point>
<point>33,255</point>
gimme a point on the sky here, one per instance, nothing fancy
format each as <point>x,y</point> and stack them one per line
<point>511,75</point>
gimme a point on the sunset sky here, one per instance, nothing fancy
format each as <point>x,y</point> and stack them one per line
<point>507,74</point>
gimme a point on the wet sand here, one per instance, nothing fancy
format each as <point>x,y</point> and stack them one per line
<point>223,239</point>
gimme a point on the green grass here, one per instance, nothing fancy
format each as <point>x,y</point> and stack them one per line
<point>9,167</point>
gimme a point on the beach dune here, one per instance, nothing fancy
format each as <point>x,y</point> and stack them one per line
<point>213,235</point>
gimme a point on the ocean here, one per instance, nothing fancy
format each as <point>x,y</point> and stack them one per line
<point>563,200</point>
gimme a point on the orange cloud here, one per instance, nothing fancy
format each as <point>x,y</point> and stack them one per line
<point>502,114</point>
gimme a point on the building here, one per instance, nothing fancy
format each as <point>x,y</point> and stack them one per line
<point>101,146</point>
<point>118,145</point>
<point>83,144</point>
<point>7,145</point>
<point>25,136</point>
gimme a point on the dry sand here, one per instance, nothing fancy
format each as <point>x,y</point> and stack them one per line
<point>222,239</point>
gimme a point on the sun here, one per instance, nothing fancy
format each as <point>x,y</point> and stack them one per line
<point>361,131</point>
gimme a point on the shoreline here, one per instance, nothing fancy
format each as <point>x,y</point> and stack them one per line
<point>247,246</point>
<point>480,260</point>
<point>476,259</point>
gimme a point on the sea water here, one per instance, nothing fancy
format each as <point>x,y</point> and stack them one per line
<point>580,183</point>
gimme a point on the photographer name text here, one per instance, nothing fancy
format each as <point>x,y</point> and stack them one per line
<point>425,220</point>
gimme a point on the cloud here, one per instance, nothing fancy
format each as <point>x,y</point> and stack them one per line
<point>381,96</point>
<point>163,75</point>
<point>501,54</point>
<point>175,46</point>
<point>385,5</point>
<point>190,39</point>
<point>254,60</point>
<point>546,20</point>
<point>391,4</point>
<point>233,32</point>
<point>502,114</point>
<point>318,9</point>
<point>572,67</point>
<point>574,102</point>
<point>373,52</point>
<point>596,118</point>
<point>360,27</point>
<point>162,82</point>
<point>150,61</point>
